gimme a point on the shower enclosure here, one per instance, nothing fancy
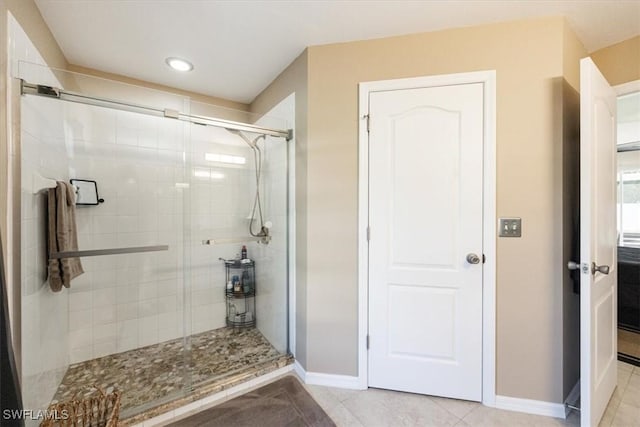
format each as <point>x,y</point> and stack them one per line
<point>182,192</point>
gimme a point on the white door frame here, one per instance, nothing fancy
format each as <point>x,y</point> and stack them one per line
<point>625,89</point>
<point>488,79</point>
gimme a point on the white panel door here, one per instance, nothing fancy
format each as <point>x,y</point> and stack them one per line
<point>425,208</point>
<point>598,290</point>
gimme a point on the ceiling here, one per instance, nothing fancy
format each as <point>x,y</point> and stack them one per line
<point>239,47</point>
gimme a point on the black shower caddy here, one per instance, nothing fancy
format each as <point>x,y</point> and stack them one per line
<point>241,304</point>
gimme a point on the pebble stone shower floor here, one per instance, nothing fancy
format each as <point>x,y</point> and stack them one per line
<point>153,373</point>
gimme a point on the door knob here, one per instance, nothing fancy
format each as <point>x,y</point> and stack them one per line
<point>604,269</point>
<point>572,265</point>
<point>473,259</point>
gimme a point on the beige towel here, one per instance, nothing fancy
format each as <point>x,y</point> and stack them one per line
<point>62,235</point>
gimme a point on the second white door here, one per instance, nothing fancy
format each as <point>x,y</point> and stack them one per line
<point>598,251</point>
<point>425,250</point>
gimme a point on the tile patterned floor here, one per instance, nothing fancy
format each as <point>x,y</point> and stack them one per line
<point>159,371</point>
<point>381,408</point>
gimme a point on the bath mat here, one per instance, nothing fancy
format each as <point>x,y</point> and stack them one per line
<point>281,403</point>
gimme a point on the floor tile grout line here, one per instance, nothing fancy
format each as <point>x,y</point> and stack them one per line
<point>471,411</point>
<point>330,389</point>
<point>459,423</point>
<point>448,411</point>
<point>355,416</point>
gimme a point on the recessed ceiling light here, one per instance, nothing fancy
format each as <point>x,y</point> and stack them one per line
<point>179,64</point>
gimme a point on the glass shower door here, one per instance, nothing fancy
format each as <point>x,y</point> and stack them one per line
<point>239,244</point>
<point>120,324</point>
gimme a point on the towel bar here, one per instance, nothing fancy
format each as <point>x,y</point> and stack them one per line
<point>261,239</point>
<point>113,251</point>
<point>39,183</point>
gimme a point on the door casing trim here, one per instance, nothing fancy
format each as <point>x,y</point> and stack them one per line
<point>488,79</point>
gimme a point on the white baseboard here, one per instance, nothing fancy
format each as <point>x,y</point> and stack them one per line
<point>536,407</point>
<point>572,398</point>
<point>328,380</point>
<point>299,370</point>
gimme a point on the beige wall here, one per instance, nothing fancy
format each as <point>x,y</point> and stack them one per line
<point>113,86</point>
<point>620,63</point>
<point>28,16</point>
<point>196,97</point>
<point>573,50</point>
<point>294,79</point>
<point>528,57</point>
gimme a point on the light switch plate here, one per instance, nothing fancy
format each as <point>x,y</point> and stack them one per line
<point>510,227</point>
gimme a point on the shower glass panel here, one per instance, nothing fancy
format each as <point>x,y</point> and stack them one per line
<point>102,329</point>
<point>233,331</point>
<point>153,325</point>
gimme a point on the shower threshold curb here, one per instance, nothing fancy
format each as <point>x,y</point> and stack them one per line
<point>211,393</point>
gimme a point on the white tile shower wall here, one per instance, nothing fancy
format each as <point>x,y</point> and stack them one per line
<point>128,301</point>
<point>271,260</point>
<point>221,197</point>
<point>124,302</point>
<point>43,313</point>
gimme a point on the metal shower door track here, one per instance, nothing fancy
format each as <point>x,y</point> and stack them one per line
<point>52,92</point>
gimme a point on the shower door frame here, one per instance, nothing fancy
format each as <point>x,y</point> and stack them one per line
<point>28,88</point>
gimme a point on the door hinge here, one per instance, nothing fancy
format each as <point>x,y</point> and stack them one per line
<point>367,342</point>
<point>368,118</point>
<point>368,234</point>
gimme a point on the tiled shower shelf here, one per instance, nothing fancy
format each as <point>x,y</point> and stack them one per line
<point>158,378</point>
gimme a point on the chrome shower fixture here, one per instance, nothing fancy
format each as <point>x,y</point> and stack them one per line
<point>257,202</point>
